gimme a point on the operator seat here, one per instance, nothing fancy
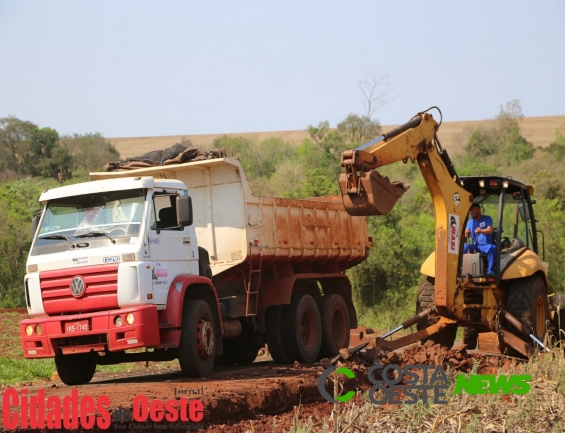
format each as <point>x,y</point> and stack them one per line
<point>167,218</point>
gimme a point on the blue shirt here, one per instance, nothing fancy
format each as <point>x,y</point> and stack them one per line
<point>483,222</point>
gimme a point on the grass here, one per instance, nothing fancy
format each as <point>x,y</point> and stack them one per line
<point>15,369</point>
<point>19,370</point>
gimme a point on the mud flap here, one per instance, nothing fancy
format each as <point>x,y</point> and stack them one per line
<point>368,193</point>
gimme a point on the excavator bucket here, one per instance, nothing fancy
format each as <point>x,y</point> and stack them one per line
<point>368,193</point>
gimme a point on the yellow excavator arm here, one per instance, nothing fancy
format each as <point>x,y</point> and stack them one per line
<point>366,192</point>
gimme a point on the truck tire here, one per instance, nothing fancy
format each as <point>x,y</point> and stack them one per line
<point>527,301</point>
<point>426,297</point>
<point>274,331</point>
<point>302,330</point>
<point>197,348</point>
<point>335,325</point>
<point>470,338</point>
<point>75,369</point>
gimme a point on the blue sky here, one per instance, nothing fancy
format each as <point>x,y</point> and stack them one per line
<point>142,68</point>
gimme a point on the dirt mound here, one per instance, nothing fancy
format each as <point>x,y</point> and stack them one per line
<point>456,360</point>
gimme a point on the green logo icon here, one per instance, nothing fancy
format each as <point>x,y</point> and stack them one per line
<point>338,398</point>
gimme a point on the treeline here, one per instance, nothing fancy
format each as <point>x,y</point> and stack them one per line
<point>28,150</point>
<point>385,285</point>
<point>33,159</point>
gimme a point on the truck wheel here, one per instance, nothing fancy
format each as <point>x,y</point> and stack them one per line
<point>75,369</point>
<point>335,325</point>
<point>527,301</point>
<point>274,328</point>
<point>197,348</point>
<point>470,337</point>
<point>426,297</point>
<point>302,330</point>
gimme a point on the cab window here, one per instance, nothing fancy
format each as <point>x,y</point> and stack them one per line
<point>164,212</point>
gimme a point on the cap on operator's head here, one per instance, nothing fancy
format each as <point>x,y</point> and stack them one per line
<point>475,205</point>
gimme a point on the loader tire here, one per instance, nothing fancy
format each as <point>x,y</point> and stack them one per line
<point>75,369</point>
<point>302,330</point>
<point>274,331</point>
<point>470,337</point>
<point>335,325</point>
<point>527,301</point>
<point>558,304</point>
<point>426,297</point>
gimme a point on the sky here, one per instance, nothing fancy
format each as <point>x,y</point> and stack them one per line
<point>152,68</point>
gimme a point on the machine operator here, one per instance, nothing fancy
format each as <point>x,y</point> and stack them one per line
<point>479,228</point>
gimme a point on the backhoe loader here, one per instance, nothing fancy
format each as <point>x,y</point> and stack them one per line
<point>504,311</point>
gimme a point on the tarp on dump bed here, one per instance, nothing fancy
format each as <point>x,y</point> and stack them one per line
<point>176,154</point>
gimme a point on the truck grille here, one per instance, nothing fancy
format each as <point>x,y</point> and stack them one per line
<point>101,292</point>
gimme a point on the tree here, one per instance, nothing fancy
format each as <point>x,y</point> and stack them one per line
<point>481,145</point>
<point>557,147</point>
<point>14,138</point>
<point>377,92</point>
<point>87,152</point>
<point>357,129</point>
<point>42,141</point>
<point>18,201</point>
<point>501,143</point>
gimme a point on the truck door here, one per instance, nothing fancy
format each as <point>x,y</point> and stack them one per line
<point>173,249</point>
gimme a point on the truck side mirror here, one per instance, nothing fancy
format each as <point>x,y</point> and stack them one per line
<point>184,210</point>
<point>34,225</point>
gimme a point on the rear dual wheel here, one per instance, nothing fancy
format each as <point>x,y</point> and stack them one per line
<point>302,330</point>
<point>335,325</point>
<point>305,331</point>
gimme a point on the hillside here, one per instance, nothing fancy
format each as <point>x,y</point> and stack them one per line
<point>539,130</point>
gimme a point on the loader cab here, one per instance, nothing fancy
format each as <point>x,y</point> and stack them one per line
<point>508,202</point>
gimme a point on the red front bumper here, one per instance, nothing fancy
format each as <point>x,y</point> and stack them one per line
<point>98,331</point>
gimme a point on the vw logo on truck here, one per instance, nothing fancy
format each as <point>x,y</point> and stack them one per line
<point>77,287</point>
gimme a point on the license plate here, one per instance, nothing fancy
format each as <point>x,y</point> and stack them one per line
<point>72,327</point>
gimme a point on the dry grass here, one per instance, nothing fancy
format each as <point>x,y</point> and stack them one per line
<point>542,409</point>
<point>453,135</point>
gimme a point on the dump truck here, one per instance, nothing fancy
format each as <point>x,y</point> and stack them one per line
<point>183,262</point>
<point>501,299</point>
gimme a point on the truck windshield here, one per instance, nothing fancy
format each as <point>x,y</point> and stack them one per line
<point>103,217</point>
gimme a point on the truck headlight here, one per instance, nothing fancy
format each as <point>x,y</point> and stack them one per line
<point>129,319</point>
<point>128,257</point>
<point>118,321</point>
<point>29,330</point>
<point>38,330</point>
